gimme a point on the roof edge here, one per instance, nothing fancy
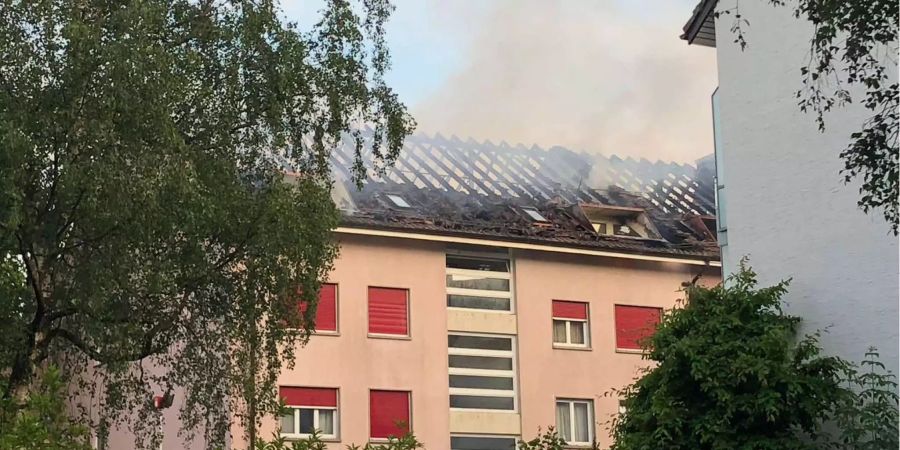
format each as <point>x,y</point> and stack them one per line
<point>367,231</point>
<point>702,12</point>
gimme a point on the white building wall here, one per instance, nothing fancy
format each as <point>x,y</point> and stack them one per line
<point>788,209</point>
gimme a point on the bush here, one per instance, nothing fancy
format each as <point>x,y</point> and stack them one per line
<point>732,373</point>
<point>42,422</point>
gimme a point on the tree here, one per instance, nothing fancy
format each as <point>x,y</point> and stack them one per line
<point>144,223</point>
<point>730,374</point>
<point>854,43</point>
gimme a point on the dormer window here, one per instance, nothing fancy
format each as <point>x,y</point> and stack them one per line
<point>398,201</point>
<point>609,220</point>
<point>534,214</point>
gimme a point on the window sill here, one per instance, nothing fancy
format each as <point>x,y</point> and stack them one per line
<point>631,351</point>
<point>300,437</point>
<point>395,337</point>
<point>325,333</point>
<point>583,348</point>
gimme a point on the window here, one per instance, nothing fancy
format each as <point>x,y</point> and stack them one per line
<point>388,311</point>
<point>570,324</point>
<point>634,324</point>
<point>398,201</point>
<point>575,421</point>
<point>603,227</point>
<point>482,372</point>
<point>310,409</point>
<point>534,214</point>
<point>326,311</point>
<point>478,283</point>
<point>482,443</point>
<point>388,413</point>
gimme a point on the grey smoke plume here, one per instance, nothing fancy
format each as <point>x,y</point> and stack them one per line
<point>610,77</point>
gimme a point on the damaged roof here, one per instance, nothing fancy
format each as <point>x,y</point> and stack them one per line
<point>450,186</point>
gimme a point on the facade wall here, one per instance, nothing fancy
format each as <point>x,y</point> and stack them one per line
<point>354,362</point>
<point>787,207</point>
<point>547,373</point>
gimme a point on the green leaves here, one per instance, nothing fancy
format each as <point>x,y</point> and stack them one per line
<point>144,217</point>
<point>42,423</point>
<point>731,373</point>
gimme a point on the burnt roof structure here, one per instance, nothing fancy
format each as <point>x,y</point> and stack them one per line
<point>448,186</point>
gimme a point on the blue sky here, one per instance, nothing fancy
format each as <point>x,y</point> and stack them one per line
<point>599,76</point>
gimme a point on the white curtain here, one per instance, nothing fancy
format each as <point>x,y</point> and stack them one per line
<point>287,423</point>
<point>563,420</point>
<point>577,330</point>
<point>326,421</point>
<point>582,422</point>
<point>559,331</point>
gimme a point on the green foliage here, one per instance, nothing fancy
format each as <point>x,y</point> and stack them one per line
<point>868,420</point>
<point>42,423</point>
<point>730,374</point>
<point>144,221</point>
<point>314,442</point>
<point>549,440</point>
<point>854,43</point>
<point>406,442</point>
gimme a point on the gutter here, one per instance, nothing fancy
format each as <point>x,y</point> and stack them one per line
<point>521,245</point>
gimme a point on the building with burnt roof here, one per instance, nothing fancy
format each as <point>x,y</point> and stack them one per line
<point>484,291</point>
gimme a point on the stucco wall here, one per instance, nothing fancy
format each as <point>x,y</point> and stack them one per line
<point>547,373</point>
<point>788,209</point>
<point>355,363</point>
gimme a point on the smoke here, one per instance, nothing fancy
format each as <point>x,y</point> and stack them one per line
<point>603,77</point>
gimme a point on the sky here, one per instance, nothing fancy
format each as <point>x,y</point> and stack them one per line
<point>600,76</point>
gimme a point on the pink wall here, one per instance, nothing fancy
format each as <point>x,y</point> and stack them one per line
<point>547,373</point>
<point>355,363</point>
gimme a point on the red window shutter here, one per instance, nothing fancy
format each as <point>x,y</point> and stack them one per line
<point>326,311</point>
<point>388,311</point>
<point>307,396</point>
<point>633,324</point>
<point>387,409</point>
<point>570,310</point>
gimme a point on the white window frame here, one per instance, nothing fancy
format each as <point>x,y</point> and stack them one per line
<point>590,405</point>
<point>586,324</point>
<point>296,410</point>
<point>515,438</point>
<point>514,393</point>
<point>482,292</point>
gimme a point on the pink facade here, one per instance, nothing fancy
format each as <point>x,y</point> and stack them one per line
<point>355,362</point>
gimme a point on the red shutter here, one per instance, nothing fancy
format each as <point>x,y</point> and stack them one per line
<point>326,311</point>
<point>569,310</point>
<point>633,324</point>
<point>305,396</point>
<point>387,311</point>
<point>386,410</point>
